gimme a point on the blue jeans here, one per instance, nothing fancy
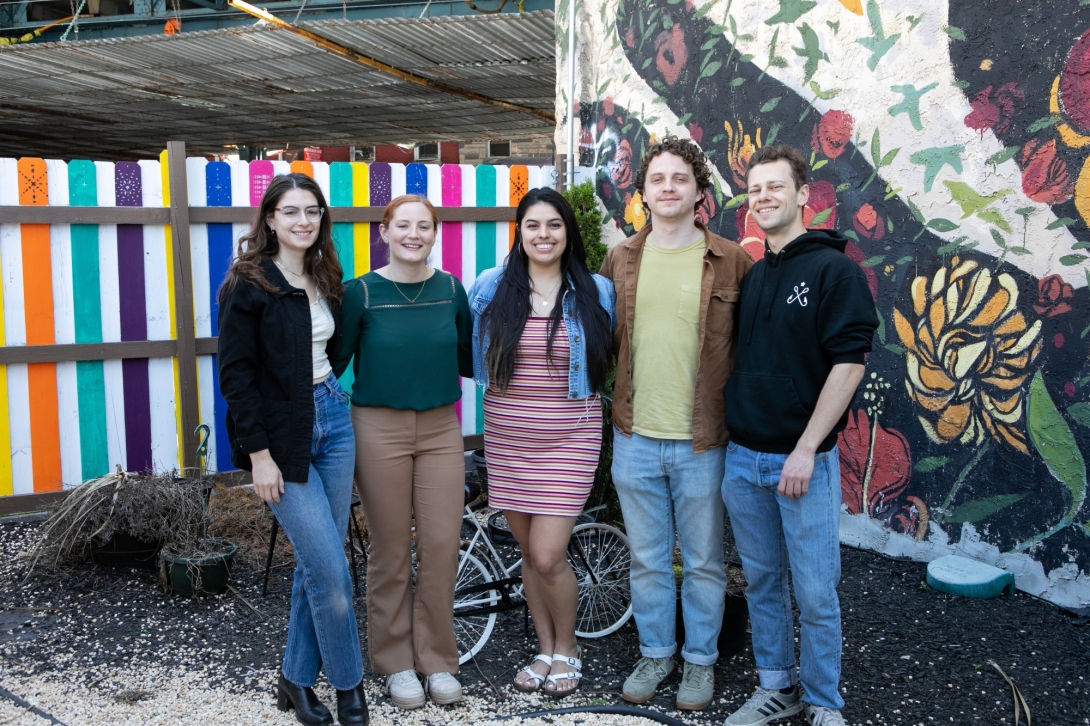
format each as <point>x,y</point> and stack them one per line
<point>314,514</point>
<point>664,486</point>
<point>773,533</point>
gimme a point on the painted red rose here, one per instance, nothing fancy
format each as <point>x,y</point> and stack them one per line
<point>696,133</point>
<point>671,54</point>
<point>994,114</point>
<point>607,106</point>
<point>877,473</point>
<point>822,197</point>
<point>1052,296</point>
<point>868,223</point>
<point>630,38</point>
<point>833,133</point>
<point>851,249</point>
<point>706,210</point>
<point>1045,178</point>
<point>620,170</point>
<point>1075,84</point>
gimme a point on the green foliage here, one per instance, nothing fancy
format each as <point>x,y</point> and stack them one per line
<point>589,217</point>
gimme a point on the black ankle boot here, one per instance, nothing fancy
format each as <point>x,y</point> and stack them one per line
<point>352,707</point>
<point>308,709</point>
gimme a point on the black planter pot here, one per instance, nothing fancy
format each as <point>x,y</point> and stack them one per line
<point>124,550</point>
<point>733,635</point>
<point>204,575</point>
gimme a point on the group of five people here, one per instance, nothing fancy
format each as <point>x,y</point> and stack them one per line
<point>732,381</point>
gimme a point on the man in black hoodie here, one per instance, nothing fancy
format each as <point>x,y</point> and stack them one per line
<point>806,320</point>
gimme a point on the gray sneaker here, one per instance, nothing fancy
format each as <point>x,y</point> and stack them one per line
<point>765,706</point>
<point>697,684</point>
<point>821,716</point>
<point>650,672</point>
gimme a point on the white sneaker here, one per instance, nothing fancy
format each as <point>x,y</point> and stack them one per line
<point>821,716</point>
<point>444,688</point>
<point>405,690</point>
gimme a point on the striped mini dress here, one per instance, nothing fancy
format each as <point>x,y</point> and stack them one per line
<point>541,447</point>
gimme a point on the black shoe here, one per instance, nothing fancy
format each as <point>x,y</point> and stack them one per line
<point>352,707</point>
<point>308,709</point>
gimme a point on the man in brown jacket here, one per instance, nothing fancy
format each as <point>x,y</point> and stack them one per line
<point>677,287</point>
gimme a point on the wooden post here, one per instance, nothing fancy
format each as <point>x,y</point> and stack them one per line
<point>560,164</point>
<point>183,301</point>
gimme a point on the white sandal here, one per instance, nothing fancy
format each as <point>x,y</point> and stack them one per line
<point>536,679</point>
<point>575,673</point>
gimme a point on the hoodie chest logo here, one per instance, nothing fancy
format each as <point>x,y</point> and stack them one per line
<point>798,295</point>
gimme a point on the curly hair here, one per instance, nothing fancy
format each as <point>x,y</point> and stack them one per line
<point>687,150</point>
<point>778,152</point>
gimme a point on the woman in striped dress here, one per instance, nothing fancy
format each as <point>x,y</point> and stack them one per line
<point>542,347</point>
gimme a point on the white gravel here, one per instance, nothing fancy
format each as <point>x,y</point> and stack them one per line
<point>158,697</point>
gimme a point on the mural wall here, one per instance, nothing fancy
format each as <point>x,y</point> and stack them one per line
<point>951,144</point>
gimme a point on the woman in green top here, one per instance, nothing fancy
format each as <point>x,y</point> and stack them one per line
<point>408,326</point>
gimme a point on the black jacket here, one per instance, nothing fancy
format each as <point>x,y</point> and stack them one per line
<point>801,312</point>
<point>266,373</point>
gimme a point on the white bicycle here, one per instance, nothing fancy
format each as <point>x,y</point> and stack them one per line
<point>598,554</point>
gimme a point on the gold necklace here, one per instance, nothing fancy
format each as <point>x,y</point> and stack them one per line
<point>406,296</point>
<point>544,298</point>
<point>297,274</point>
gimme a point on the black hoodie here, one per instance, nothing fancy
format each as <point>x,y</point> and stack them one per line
<point>801,312</point>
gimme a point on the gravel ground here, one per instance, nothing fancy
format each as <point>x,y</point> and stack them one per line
<point>100,645</point>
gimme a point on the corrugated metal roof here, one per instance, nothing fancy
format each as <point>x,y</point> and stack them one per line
<point>125,97</point>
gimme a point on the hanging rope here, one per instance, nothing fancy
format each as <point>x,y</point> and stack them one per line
<point>75,22</point>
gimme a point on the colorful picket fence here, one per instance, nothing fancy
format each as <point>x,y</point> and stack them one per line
<point>64,422</point>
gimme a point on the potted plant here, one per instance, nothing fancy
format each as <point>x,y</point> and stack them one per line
<point>127,519</point>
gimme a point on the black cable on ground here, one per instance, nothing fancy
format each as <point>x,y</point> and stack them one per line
<point>610,710</point>
<point>5,693</point>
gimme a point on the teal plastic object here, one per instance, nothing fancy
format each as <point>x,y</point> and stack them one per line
<point>968,578</point>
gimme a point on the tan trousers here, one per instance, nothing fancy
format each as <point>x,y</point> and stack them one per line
<point>409,465</point>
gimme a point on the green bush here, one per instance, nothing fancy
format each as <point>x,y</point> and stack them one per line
<point>589,218</point>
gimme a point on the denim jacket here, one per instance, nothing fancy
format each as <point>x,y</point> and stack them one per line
<point>480,295</point>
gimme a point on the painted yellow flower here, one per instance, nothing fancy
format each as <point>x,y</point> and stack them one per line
<point>634,212</point>
<point>968,355</point>
<point>740,147</point>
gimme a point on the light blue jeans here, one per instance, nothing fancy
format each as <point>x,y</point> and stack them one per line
<point>774,533</point>
<point>314,514</point>
<point>664,487</point>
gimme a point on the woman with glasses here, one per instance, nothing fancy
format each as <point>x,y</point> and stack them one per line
<point>408,327</point>
<point>542,349</point>
<point>288,423</point>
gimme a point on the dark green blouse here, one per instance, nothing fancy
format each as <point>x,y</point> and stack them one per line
<point>410,341</point>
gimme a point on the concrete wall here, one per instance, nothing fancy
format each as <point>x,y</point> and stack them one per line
<point>950,142</point>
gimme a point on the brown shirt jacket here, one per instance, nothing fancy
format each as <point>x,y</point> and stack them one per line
<point>725,264</point>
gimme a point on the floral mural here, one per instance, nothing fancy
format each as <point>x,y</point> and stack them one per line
<point>957,162</point>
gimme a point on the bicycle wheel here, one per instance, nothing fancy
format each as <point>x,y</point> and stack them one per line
<point>601,559</point>
<point>471,630</point>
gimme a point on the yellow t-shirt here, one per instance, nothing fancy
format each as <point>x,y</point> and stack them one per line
<point>666,340</point>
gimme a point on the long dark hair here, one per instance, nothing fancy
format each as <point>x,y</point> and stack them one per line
<point>505,317</point>
<point>261,243</point>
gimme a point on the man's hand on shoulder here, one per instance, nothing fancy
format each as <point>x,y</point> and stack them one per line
<point>795,475</point>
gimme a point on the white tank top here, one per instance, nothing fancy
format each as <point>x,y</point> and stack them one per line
<point>321,330</point>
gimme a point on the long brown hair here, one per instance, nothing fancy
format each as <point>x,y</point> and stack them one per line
<point>261,243</point>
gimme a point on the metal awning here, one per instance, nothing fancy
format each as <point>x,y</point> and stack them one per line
<point>122,98</point>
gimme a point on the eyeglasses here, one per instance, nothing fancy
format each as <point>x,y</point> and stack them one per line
<point>314,214</point>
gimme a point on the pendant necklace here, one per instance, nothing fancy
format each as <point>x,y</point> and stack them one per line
<point>414,299</point>
<point>297,274</point>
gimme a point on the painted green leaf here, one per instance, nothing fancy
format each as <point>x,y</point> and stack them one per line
<point>931,463</point>
<point>895,349</point>
<point>994,216</point>
<point>820,164</point>
<point>1001,156</point>
<point>1080,413</point>
<point>872,261</point>
<point>772,133</point>
<point>999,239</point>
<point>955,33</point>
<point>710,69</point>
<point>1068,260</point>
<point>735,82</point>
<point>1042,123</point>
<point>1061,222</point>
<point>905,260</point>
<point>736,201</point>
<point>791,10</point>
<point>982,508</point>
<point>1053,440</point>
<point>771,104</point>
<point>843,187</point>
<point>710,43</point>
<point>940,224</point>
<point>821,216</point>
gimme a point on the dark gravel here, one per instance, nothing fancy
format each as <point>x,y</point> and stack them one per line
<point>911,655</point>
